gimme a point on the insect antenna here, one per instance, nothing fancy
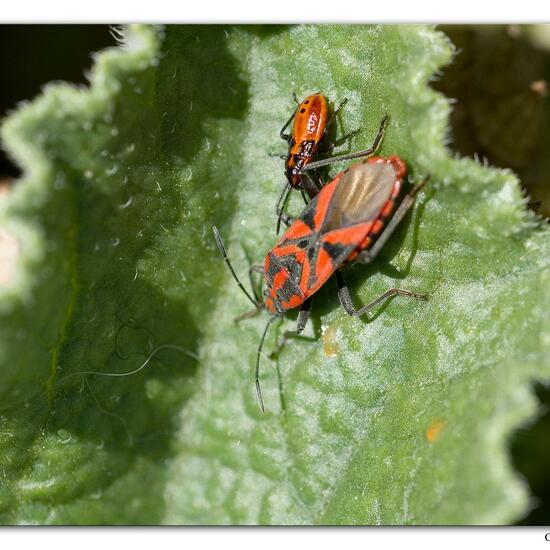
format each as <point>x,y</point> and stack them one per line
<point>223,252</point>
<point>257,376</point>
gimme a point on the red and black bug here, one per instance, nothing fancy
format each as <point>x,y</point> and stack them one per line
<point>350,219</point>
<point>309,129</point>
<point>311,124</point>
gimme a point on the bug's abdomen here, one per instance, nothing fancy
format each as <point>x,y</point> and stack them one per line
<point>310,121</point>
<point>298,156</point>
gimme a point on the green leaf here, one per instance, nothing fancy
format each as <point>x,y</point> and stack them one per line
<point>400,418</point>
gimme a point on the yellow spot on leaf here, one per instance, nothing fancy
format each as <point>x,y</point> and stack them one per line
<point>330,341</point>
<point>434,430</point>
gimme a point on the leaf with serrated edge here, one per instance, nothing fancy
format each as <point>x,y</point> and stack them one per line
<point>402,418</point>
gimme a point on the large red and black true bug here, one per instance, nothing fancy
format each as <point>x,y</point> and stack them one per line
<point>350,219</point>
<point>311,124</point>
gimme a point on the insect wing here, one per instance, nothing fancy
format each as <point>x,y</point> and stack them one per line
<point>349,209</point>
<point>359,196</point>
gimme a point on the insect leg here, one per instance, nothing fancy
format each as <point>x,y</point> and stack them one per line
<point>366,256</point>
<point>246,315</point>
<point>329,147</point>
<point>282,216</point>
<point>309,185</point>
<point>287,137</point>
<point>337,110</point>
<point>345,137</point>
<point>347,303</point>
<point>332,117</point>
<point>337,142</point>
<point>364,153</point>
<point>255,268</point>
<point>303,317</point>
<point>281,205</point>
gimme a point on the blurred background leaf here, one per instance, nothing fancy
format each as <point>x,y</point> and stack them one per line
<point>499,80</point>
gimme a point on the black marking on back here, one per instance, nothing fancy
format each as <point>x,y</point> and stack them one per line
<point>293,267</point>
<point>312,256</point>
<point>287,290</point>
<point>308,216</point>
<point>272,268</point>
<point>334,250</point>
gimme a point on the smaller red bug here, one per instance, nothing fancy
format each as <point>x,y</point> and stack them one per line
<point>350,219</point>
<point>310,128</point>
